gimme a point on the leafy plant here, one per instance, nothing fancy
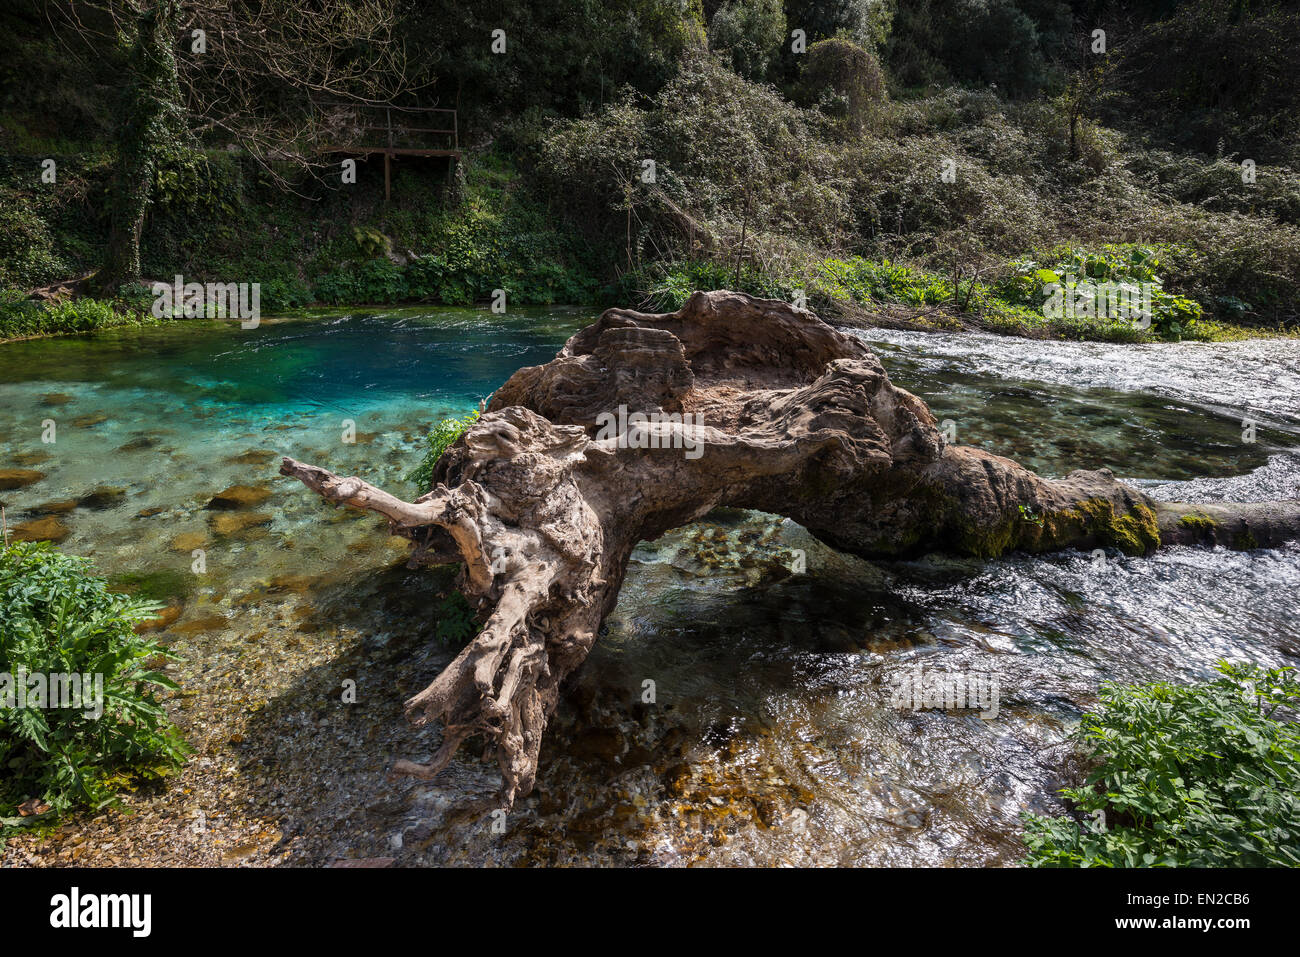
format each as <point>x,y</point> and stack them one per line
<point>1204,775</point>
<point>56,617</point>
<point>1073,269</point>
<point>439,438</point>
<point>456,624</point>
<point>1029,516</point>
<point>21,317</point>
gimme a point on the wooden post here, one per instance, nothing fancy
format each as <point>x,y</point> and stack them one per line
<point>388,156</point>
<point>740,256</point>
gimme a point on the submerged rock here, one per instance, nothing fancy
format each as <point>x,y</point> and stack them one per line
<point>47,529</point>
<point>165,618</point>
<point>18,478</point>
<point>138,444</point>
<point>102,498</point>
<point>240,496</point>
<point>188,541</point>
<point>236,523</point>
<point>252,457</point>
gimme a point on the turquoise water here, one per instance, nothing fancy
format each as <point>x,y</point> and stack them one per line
<point>166,417</point>
<point>772,738</point>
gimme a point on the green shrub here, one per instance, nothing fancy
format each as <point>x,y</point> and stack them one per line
<point>666,287</point>
<point>28,253</point>
<point>474,250</point>
<point>1203,775</point>
<point>751,32</point>
<point>21,317</point>
<point>844,80</point>
<point>281,295</point>
<point>56,617</point>
<point>373,281</point>
<point>1172,316</point>
<point>857,280</point>
<point>440,437</point>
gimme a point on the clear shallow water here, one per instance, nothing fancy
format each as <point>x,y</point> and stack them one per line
<point>772,738</point>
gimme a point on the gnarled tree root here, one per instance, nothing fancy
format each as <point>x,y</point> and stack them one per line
<point>646,422</point>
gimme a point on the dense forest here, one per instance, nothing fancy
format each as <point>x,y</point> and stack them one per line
<point>921,159</point>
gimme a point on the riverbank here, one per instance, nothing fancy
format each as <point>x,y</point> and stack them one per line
<point>83,316</point>
<point>937,319</point>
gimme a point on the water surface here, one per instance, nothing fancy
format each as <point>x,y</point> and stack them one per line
<point>772,737</point>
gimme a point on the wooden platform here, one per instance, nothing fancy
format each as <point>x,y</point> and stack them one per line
<point>358,122</point>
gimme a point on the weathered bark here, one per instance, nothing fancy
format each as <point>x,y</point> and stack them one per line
<point>782,414</point>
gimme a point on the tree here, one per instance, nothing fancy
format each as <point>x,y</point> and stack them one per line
<point>246,75</point>
<point>751,32</point>
<point>153,125</point>
<point>1090,78</point>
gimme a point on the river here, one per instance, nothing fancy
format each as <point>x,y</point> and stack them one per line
<point>772,737</point>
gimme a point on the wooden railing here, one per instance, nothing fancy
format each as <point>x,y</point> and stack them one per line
<point>367,129</point>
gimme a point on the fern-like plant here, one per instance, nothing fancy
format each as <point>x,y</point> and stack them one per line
<point>57,618</point>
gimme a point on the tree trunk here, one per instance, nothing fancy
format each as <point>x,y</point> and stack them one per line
<point>154,122</point>
<point>749,403</point>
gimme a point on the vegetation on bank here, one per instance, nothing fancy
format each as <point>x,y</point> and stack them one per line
<point>59,619</point>
<point>23,318</point>
<point>440,438</point>
<point>1203,775</point>
<point>885,165</point>
<point>1012,303</point>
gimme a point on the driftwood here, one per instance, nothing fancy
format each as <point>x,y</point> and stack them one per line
<point>646,422</point>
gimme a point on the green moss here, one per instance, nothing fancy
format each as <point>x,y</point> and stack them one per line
<point>159,585</point>
<point>1244,540</point>
<point>1135,532</point>
<point>1203,525</point>
<point>991,542</point>
<point>1024,530</point>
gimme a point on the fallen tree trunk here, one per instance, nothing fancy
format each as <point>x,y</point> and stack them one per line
<point>644,423</point>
